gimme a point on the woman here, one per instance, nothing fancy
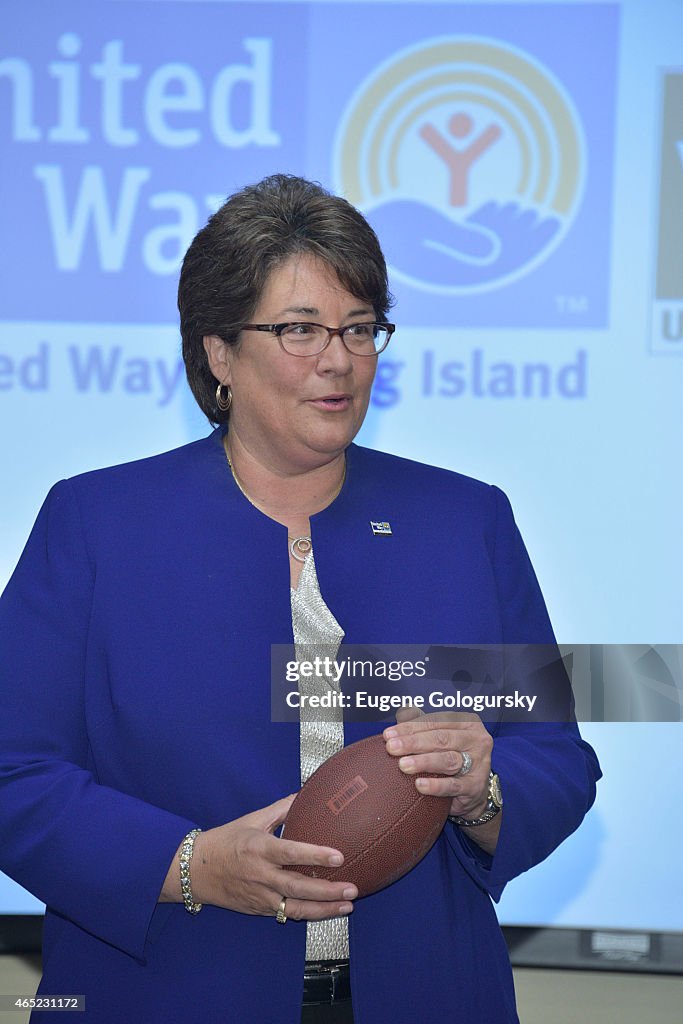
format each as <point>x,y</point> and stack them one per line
<point>143,779</point>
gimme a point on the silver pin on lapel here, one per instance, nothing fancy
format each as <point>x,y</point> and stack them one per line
<point>381,529</point>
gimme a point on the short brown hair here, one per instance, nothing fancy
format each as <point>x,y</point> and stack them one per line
<point>228,263</point>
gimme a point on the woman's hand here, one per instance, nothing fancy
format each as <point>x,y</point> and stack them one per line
<point>436,743</point>
<point>240,866</point>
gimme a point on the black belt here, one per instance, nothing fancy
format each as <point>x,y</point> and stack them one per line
<point>326,981</point>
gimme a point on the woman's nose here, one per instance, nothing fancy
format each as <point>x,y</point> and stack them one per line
<point>335,355</point>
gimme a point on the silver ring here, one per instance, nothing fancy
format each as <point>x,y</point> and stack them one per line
<point>466,763</point>
<point>281,917</point>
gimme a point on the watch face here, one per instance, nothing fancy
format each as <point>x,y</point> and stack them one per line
<point>495,793</point>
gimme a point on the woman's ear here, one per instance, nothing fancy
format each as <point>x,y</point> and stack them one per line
<point>219,355</point>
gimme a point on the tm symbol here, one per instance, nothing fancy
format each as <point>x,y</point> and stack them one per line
<point>571,304</point>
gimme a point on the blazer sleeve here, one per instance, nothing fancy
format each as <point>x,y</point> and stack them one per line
<point>95,855</point>
<point>548,772</point>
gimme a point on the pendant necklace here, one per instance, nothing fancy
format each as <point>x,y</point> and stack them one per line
<point>299,547</point>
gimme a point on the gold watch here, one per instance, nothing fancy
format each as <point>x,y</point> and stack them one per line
<point>493,806</point>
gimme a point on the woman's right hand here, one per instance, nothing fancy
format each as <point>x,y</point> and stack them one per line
<point>241,866</point>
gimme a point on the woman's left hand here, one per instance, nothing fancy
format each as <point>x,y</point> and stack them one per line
<point>436,743</point>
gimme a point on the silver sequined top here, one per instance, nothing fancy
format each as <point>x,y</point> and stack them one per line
<point>318,634</point>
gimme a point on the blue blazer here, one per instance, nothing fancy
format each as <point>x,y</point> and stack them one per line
<point>135,637</point>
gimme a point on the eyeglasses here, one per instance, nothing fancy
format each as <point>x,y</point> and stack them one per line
<point>305,339</point>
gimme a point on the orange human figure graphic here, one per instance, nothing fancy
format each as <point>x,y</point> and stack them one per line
<point>459,161</point>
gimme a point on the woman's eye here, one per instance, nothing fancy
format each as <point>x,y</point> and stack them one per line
<point>360,330</point>
<point>301,330</point>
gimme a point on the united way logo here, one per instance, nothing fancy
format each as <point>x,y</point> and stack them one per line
<point>468,157</point>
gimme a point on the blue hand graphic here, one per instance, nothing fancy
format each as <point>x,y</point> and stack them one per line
<point>490,243</point>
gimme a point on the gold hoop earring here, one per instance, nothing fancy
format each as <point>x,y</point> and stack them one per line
<point>223,403</point>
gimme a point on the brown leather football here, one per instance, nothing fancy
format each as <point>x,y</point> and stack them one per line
<point>361,803</point>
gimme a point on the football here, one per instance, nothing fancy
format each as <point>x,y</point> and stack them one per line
<point>361,803</point>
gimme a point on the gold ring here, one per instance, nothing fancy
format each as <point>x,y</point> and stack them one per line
<point>281,917</point>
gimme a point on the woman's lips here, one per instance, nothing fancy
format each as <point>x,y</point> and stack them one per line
<point>332,403</point>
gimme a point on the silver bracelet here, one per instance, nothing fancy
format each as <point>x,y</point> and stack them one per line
<point>488,815</point>
<point>493,806</point>
<point>186,851</point>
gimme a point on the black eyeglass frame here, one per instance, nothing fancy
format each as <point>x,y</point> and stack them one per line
<point>277,330</point>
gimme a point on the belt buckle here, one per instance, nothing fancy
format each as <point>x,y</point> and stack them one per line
<point>335,973</point>
<point>332,972</point>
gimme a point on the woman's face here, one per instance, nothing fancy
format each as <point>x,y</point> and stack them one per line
<point>295,412</point>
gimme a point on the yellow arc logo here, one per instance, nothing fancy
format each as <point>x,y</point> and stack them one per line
<point>468,156</point>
